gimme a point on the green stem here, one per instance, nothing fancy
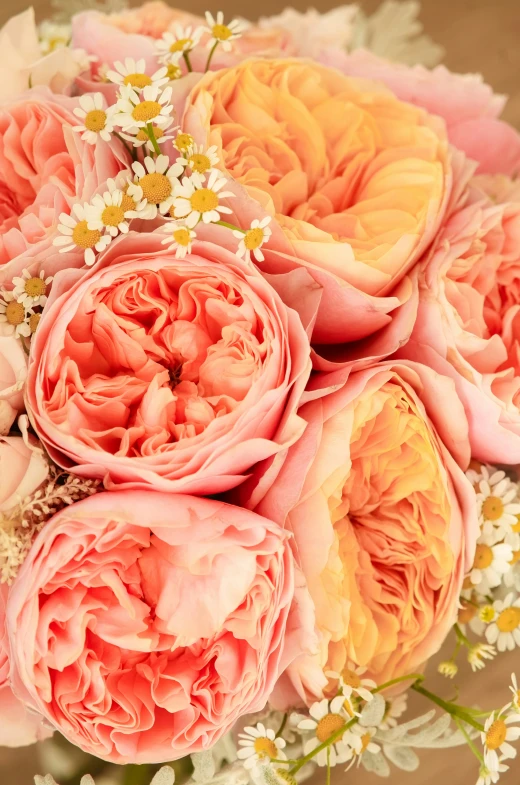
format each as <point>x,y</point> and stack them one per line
<point>153,140</point>
<point>450,708</point>
<point>186,56</point>
<point>416,677</point>
<point>335,736</point>
<point>282,726</point>
<point>328,766</point>
<point>210,56</point>
<point>461,637</point>
<point>231,226</point>
<point>469,740</point>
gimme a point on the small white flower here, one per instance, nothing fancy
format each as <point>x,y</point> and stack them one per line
<point>133,73</point>
<point>14,316</point>
<point>76,234</point>
<point>31,290</point>
<point>499,730</point>
<point>259,744</point>
<point>395,708</point>
<point>351,682</point>
<point>487,777</point>
<point>184,143</point>
<point>221,33</point>
<point>53,36</point>
<point>155,183</point>
<point>106,213</point>
<point>177,41</point>
<point>516,693</point>
<point>179,238</point>
<point>138,109</point>
<point>197,200</point>
<point>359,740</point>
<point>497,503</point>
<point>478,653</point>
<point>252,240</point>
<point>491,563</point>
<point>96,122</point>
<point>139,136</point>
<point>326,719</point>
<point>504,629</point>
<point>448,669</point>
<point>200,160</point>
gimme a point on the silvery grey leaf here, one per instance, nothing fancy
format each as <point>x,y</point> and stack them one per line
<point>204,766</point>
<point>165,776</point>
<point>402,757</point>
<point>373,712</point>
<point>377,764</point>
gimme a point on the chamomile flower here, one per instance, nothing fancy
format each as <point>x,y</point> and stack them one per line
<point>31,290</point>
<point>500,729</point>
<point>96,121</point>
<point>359,739</point>
<point>504,627</point>
<point>14,315</point>
<point>139,137</point>
<point>516,692</point>
<point>106,213</point>
<point>490,565</point>
<point>351,682</point>
<point>252,240</point>
<point>326,719</point>
<point>197,200</point>
<point>448,669</point>
<point>133,73</point>
<point>487,777</point>
<point>184,143</point>
<point>221,33</point>
<point>155,182</point>
<point>479,653</point>
<point>258,744</point>
<point>173,69</point>
<point>178,41</point>
<point>394,709</point>
<point>179,238</point>
<point>497,504</point>
<point>75,234</point>
<point>200,160</point>
<point>138,109</point>
<point>53,36</point>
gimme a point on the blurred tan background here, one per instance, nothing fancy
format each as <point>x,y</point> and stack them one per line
<point>479,36</point>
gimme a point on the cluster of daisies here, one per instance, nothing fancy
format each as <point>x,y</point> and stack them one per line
<point>21,307</point>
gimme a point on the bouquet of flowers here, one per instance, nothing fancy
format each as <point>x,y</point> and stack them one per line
<point>259,395</point>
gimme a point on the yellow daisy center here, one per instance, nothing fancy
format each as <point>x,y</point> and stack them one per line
<point>84,237</point>
<point>35,287</point>
<point>365,741</point>
<point>200,163</point>
<point>15,313</point>
<point>516,526</point>
<point>466,613</point>
<point>351,678</point>
<point>112,215</point>
<point>137,80</point>
<point>328,726</point>
<point>509,620</point>
<point>222,32</point>
<point>487,614</point>
<point>34,321</point>
<point>142,136</point>
<point>146,111</point>
<point>493,508</point>
<point>174,71</point>
<point>483,557</point>
<point>127,203</point>
<point>286,777</point>
<point>182,237</point>
<point>265,748</point>
<point>57,41</point>
<point>95,120</point>
<point>183,142</point>
<point>181,45</point>
<point>156,187</point>
<point>204,200</point>
<point>516,558</point>
<point>253,239</point>
<point>496,735</point>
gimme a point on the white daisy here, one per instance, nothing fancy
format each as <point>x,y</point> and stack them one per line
<point>31,290</point>
<point>448,669</point>
<point>53,36</point>
<point>97,122</point>
<point>252,240</point>
<point>512,578</point>
<point>221,33</point>
<point>394,709</point>
<point>138,109</point>
<point>359,739</point>
<point>177,41</point>
<point>258,744</point>
<point>14,315</point>
<point>200,160</point>
<point>139,137</point>
<point>516,692</point>
<point>197,200</point>
<point>487,777</point>
<point>179,238</point>
<point>106,213</point>
<point>499,730</point>
<point>133,73</point>
<point>479,653</point>
<point>155,182</point>
<point>76,234</point>
<point>184,143</point>
<point>497,504</point>
<point>326,719</point>
<point>504,628</point>
<point>351,682</point>
<point>491,563</point>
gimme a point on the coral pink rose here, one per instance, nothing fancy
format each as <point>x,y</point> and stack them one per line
<point>23,468</point>
<point>45,168</point>
<point>383,517</point>
<point>468,105</point>
<point>19,726</point>
<point>143,625</point>
<point>468,324</point>
<point>175,373</point>
<point>357,180</point>
<point>13,372</point>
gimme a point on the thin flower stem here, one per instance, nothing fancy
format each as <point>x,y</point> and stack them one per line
<point>461,637</point>
<point>282,726</point>
<point>476,752</point>
<point>328,766</point>
<point>231,226</point>
<point>450,708</point>
<point>153,140</point>
<point>210,56</point>
<point>186,56</point>
<point>335,736</point>
<point>415,677</point>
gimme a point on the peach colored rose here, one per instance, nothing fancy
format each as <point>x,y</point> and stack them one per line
<point>383,517</point>
<point>468,324</point>
<point>464,101</point>
<point>45,168</point>
<point>357,180</point>
<point>19,726</point>
<point>13,372</point>
<point>23,468</point>
<point>143,625</point>
<point>179,374</point>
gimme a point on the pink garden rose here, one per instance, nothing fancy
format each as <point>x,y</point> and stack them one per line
<point>383,518</point>
<point>178,374</point>
<point>143,625</point>
<point>13,372</point>
<point>468,324</point>
<point>23,468</point>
